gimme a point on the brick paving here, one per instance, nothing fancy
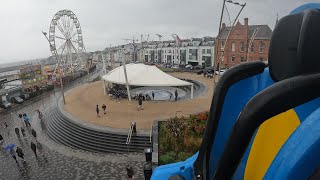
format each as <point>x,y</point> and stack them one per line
<point>56,161</point>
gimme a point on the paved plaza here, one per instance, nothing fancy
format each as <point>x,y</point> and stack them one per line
<point>81,102</point>
<point>56,161</point>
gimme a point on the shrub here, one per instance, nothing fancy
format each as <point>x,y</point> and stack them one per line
<point>167,158</point>
<point>182,156</point>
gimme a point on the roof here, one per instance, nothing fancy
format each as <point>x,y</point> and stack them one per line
<point>143,75</point>
<point>264,32</point>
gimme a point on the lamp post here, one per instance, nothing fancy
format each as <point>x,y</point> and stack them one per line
<point>62,91</point>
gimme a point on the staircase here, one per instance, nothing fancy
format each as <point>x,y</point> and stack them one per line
<point>64,131</point>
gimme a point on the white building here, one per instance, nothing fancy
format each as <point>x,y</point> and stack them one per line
<point>194,51</point>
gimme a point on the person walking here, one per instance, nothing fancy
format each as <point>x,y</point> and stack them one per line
<point>130,172</point>
<point>17,131</point>
<point>1,139</point>
<point>97,110</point>
<point>23,132</point>
<point>20,153</point>
<point>26,120</point>
<point>176,95</point>
<point>13,154</point>
<point>140,104</point>
<point>104,107</point>
<point>34,148</point>
<point>152,95</point>
<point>34,134</point>
<point>170,96</point>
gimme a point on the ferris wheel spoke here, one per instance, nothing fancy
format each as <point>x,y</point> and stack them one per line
<point>61,38</point>
<point>61,29</point>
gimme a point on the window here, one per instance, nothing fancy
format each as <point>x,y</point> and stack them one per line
<point>252,47</point>
<point>203,58</point>
<point>222,58</point>
<point>222,45</point>
<point>242,59</point>
<point>261,47</point>
<point>165,51</point>
<point>209,51</point>
<point>203,51</point>
<point>233,58</point>
<point>241,46</point>
<point>233,47</point>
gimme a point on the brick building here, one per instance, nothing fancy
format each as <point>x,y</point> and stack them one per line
<point>236,50</point>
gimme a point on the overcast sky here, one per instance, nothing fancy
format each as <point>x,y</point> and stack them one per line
<point>109,21</point>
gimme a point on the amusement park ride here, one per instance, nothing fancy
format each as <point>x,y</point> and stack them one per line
<point>264,119</point>
<point>66,42</point>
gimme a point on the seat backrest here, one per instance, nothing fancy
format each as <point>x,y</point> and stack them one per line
<point>281,108</point>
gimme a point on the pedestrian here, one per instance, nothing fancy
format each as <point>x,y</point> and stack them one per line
<point>176,95</point>
<point>26,120</point>
<point>130,172</point>
<point>34,148</point>
<point>170,96</point>
<point>1,139</point>
<point>17,132</point>
<point>97,110</point>
<point>152,95</point>
<point>40,115</point>
<point>34,134</point>
<point>5,125</point>
<point>13,154</point>
<point>104,107</point>
<point>23,132</point>
<point>20,153</point>
<point>140,104</point>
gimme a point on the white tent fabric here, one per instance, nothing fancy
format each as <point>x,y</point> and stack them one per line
<point>143,75</point>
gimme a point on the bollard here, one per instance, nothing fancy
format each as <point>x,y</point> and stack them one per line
<point>148,154</point>
<point>147,170</point>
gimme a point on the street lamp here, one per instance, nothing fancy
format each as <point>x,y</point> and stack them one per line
<point>56,56</point>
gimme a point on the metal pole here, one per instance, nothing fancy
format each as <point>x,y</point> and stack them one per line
<point>217,46</point>
<point>126,77</point>
<point>225,43</point>
<point>62,91</point>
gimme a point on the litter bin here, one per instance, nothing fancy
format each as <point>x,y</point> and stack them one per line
<point>147,170</point>
<point>148,154</point>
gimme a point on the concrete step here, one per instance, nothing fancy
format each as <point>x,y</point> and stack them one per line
<point>68,133</point>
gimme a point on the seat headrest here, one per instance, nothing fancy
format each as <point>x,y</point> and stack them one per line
<point>295,45</point>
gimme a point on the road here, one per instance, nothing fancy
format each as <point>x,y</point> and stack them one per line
<point>56,161</point>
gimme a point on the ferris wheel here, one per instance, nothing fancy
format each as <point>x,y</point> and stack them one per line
<point>66,41</point>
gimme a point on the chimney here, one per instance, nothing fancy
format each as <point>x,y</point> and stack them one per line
<point>246,21</point>
<point>223,26</point>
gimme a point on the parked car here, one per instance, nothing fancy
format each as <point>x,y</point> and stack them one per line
<point>17,100</point>
<point>198,67</point>
<point>188,66</point>
<point>221,71</point>
<point>175,67</point>
<point>25,96</point>
<point>5,104</point>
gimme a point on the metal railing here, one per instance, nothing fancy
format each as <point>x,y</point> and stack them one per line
<point>151,131</point>
<point>129,135</point>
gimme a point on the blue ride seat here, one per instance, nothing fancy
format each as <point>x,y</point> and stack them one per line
<point>257,114</point>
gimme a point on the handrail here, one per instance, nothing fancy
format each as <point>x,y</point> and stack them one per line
<point>151,130</point>
<point>130,133</point>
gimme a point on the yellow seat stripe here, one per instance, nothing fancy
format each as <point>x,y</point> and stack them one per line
<point>269,139</point>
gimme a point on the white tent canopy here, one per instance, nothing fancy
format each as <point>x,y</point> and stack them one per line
<point>144,75</point>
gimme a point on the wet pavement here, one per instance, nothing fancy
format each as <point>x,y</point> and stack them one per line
<point>56,161</point>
